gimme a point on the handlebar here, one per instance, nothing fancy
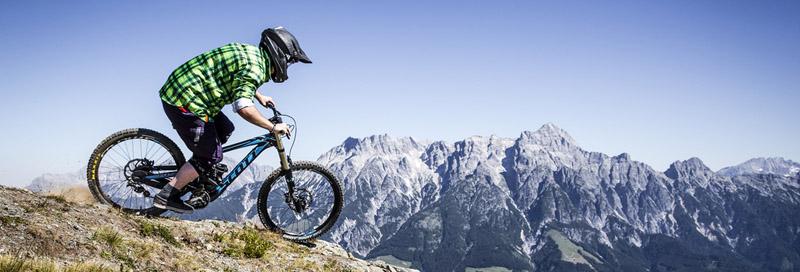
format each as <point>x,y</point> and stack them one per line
<point>276,115</point>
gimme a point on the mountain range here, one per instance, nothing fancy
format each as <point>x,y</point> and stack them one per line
<point>540,202</point>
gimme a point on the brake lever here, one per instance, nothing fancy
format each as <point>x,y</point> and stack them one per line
<point>276,118</point>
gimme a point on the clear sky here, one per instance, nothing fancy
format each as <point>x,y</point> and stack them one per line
<point>661,80</point>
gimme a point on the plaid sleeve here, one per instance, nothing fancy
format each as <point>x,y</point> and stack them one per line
<point>246,82</point>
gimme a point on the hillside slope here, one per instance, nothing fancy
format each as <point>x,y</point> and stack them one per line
<point>52,232</point>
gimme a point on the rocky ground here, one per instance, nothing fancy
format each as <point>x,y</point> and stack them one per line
<point>51,233</point>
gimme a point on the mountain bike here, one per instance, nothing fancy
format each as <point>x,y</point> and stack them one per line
<point>301,200</point>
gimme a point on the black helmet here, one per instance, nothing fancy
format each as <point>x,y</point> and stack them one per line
<point>283,50</point>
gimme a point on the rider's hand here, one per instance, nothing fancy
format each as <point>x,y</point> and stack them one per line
<point>265,101</point>
<point>281,129</point>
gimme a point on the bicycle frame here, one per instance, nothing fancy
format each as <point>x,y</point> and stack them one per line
<point>261,143</point>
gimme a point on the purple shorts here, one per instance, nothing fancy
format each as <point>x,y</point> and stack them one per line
<point>204,139</point>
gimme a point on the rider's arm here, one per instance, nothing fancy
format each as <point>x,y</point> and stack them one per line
<point>252,115</point>
<point>263,99</point>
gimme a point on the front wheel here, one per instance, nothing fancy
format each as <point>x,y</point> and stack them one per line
<point>302,203</point>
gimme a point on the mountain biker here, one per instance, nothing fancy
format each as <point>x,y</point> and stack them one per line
<point>196,91</point>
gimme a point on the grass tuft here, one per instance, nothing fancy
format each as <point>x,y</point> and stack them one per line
<point>11,220</point>
<point>16,263</point>
<point>248,242</point>
<point>12,264</point>
<point>114,240</point>
<point>109,236</point>
<point>157,230</point>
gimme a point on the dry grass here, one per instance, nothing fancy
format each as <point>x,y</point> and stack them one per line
<point>186,263</point>
<point>14,264</point>
<point>19,264</point>
<point>302,264</point>
<point>87,267</point>
<point>333,265</point>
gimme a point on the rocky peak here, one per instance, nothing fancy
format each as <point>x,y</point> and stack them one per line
<point>623,157</point>
<point>387,144</point>
<point>376,145</point>
<point>549,135</point>
<point>549,147</point>
<point>693,167</point>
<point>774,165</point>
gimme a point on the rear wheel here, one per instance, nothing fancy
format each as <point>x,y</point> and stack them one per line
<point>118,163</point>
<point>312,208</point>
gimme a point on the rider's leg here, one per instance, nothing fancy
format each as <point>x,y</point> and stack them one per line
<point>201,138</point>
<point>170,196</point>
<point>185,175</point>
<point>206,150</point>
<point>200,163</point>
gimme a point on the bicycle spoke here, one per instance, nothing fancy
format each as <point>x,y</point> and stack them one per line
<point>124,148</point>
<point>115,171</point>
<point>162,155</point>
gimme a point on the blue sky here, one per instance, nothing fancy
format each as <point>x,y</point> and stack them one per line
<point>661,80</point>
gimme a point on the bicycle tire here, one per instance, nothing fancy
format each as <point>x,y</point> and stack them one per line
<point>263,208</point>
<point>100,151</point>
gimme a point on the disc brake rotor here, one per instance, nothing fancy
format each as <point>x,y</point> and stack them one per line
<point>301,200</point>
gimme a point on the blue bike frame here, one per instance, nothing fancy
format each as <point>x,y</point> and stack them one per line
<point>261,143</point>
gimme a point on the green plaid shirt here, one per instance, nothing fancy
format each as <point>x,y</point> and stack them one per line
<point>208,82</point>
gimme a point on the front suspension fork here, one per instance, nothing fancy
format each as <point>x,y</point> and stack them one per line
<point>286,163</point>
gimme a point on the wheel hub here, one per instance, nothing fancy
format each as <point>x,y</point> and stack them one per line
<point>135,171</point>
<point>301,200</point>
